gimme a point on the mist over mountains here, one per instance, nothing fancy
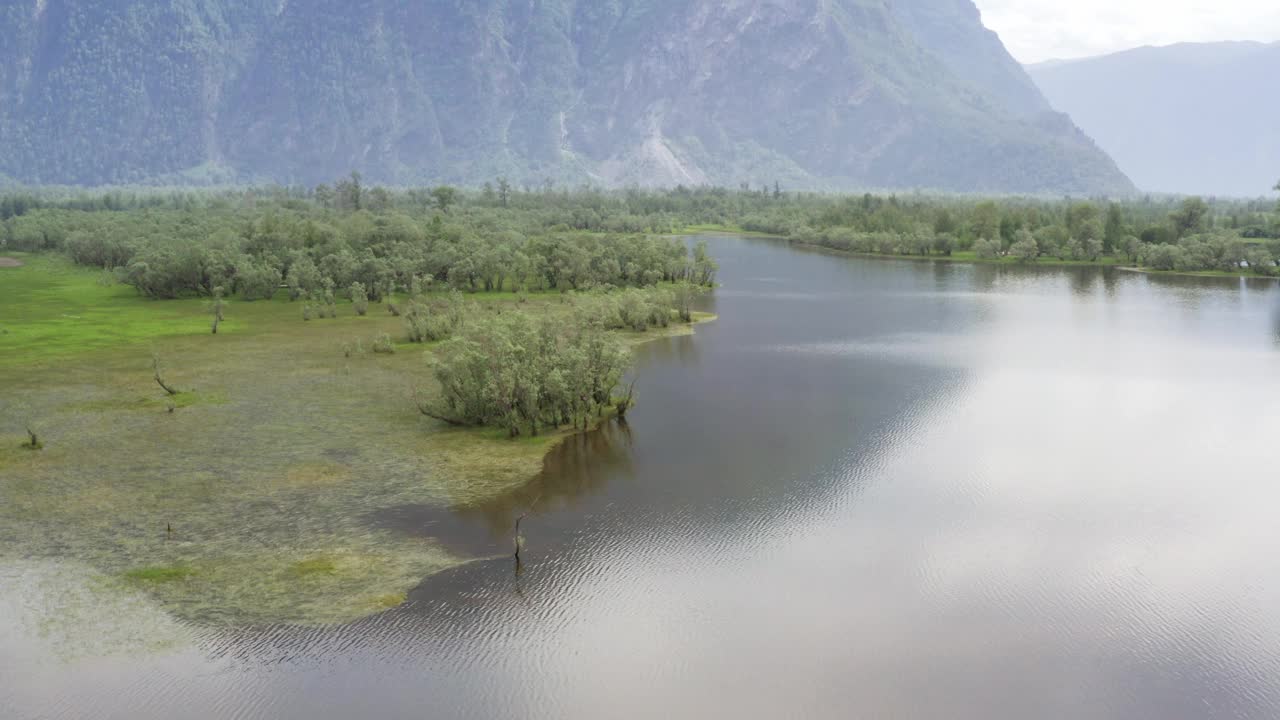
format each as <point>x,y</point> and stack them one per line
<point>819,94</point>
<point>1190,118</point>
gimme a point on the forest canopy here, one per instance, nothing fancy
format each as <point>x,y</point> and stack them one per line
<point>168,243</point>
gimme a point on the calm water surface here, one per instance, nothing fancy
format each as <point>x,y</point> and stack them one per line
<point>872,489</point>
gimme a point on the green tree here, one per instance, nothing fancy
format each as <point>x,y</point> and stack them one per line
<point>986,249</point>
<point>1091,248</point>
<point>216,308</point>
<point>1080,215</point>
<point>444,197</point>
<point>377,200</point>
<point>1051,238</point>
<point>1072,249</point>
<point>1132,247</point>
<point>511,372</point>
<point>1260,260</point>
<point>348,194</point>
<point>985,220</point>
<point>359,299</point>
<point>1024,246</point>
<point>1114,234</point>
<point>1189,218</point>
<point>303,278</point>
<point>1162,257</point>
<point>684,296</point>
<point>324,196</point>
<point>504,192</point>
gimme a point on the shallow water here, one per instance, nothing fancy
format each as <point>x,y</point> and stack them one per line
<point>871,489</point>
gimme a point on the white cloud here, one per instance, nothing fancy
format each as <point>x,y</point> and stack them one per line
<point>1036,30</point>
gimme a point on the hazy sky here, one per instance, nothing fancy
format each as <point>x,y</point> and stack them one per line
<point>1035,30</point>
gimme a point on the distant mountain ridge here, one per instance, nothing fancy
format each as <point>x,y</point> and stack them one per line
<point>1193,118</point>
<point>821,94</point>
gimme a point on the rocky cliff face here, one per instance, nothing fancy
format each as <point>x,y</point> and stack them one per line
<point>813,93</point>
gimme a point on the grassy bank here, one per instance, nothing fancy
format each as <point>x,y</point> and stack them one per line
<point>252,495</point>
<point>970,257</point>
<point>721,229</point>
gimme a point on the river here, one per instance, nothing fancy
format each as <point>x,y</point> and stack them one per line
<point>872,488</point>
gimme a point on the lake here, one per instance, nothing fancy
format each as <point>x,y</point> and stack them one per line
<point>872,488</point>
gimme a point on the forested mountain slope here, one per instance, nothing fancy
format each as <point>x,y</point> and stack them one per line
<point>812,93</point>
<point>1191,118</point>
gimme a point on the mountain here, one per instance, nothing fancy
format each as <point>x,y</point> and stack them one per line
<point>812,93</point>
<point>1194,118</point>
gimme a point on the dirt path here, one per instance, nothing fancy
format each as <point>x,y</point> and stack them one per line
<point>10,262</point>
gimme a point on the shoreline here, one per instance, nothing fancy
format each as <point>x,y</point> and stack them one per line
<point>1001,261</point>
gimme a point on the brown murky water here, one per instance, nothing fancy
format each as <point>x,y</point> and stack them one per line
<point>872,489</point>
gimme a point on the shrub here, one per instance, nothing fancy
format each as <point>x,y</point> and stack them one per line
<point>1025,250</point>
<point>258,282</point>
<point>1162,257</point>
<point>986,249</point>
<point>359,299</point>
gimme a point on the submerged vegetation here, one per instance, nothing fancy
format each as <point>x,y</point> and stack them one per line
<point>250,495</point>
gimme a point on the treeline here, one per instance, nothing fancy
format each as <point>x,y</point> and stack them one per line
<point>252,252</point>
<point>1189,234</point>
<point>249,241</point>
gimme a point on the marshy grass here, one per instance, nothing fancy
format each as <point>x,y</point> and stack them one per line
<point>159,574</point>
<point>314,566</point>
<point>280,451</point>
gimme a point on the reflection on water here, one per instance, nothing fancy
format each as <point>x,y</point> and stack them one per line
<point>576,468</point>
<point>871,489</point>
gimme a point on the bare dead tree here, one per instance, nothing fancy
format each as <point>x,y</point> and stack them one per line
<point>155,365</point>
<point>519,539</point>
<point>34,442</point>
